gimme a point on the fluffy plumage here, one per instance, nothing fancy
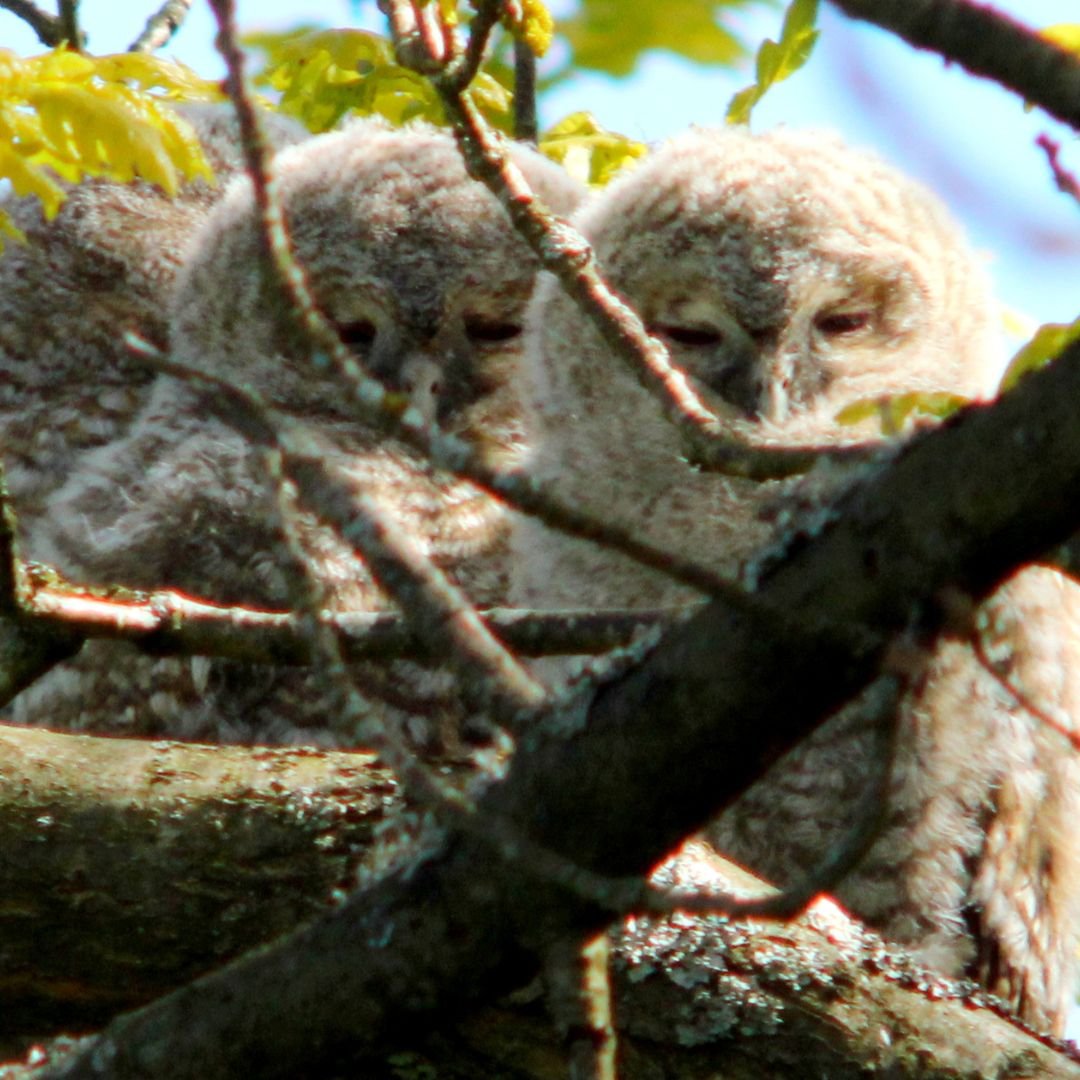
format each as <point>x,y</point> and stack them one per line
<point>790,277</point>
<point>103,265</point>
<point>419,268</point>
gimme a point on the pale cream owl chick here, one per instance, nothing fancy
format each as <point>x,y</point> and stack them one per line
<point>790,277</point>
<point>421,271</point>
<point>103,265</point>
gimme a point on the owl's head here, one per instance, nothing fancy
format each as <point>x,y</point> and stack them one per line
<point>790,276</point>
<point>415,263</point>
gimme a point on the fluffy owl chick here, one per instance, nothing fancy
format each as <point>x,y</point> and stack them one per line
<point>791,277</point>
<point>420,270</point>
<point>103,265</point>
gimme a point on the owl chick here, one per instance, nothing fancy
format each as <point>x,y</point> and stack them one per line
<point>419,269</point>
<point>790,277</point>
<point>103,265</point>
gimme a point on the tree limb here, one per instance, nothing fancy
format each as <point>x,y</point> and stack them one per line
<point>986,43</point>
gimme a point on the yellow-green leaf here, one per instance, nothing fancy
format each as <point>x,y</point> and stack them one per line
<point>323,75</point>
<point>68,115</point>
<point>536,26</point>
<point>1067,35</point>
<point>612,35</point>
<point>587,151</point>
<point>895,411</point>
<point>1048,342</point>
<point>776,60</point>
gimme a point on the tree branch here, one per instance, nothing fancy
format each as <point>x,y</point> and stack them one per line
<point>986,43</point>
<point>161,26</point>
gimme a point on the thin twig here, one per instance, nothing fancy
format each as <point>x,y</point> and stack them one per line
<point>578,983</point>
<point>69,21</point>
<point>49,28</point>
<point>526,125</point>
<point>1066,181</point>
<point>161,26</point>
<point>1022,698</point>
<point>461,69</point>
<point>167,623</point>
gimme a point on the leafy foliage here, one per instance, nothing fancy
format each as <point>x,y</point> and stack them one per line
<point>612,35</point>
<point>776,60</point>
<point>323,75</point>
<point>896,410</point>
<point>587,151</point>
<point>1067,35</point>
<point>1047,343</point>
<point>67,115</point>
<point>536,26</point>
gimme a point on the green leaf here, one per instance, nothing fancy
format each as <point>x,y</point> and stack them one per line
<point>1048,342</point>
<point>323,75</point>
<point>895,411</point>
<point>776,60</point>
<point>587,151</point>
<point>612,35</point>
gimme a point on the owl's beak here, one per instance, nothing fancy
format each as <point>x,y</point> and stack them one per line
<point>421,381</point>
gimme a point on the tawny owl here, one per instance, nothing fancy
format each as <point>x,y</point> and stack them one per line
<point>790,277</point>
<point>104,264</point>
<point>418,267</point>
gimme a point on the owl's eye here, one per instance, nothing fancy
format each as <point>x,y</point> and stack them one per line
<point>695,337</point>
<point>359,334</point>
<point>839,323</point>
<point>491,331</point>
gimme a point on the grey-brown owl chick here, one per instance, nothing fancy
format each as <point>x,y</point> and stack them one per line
<point>791,277</point>
<point>420,270</point>
<point>103,265</point>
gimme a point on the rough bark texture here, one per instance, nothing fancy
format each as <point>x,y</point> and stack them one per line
<point>128,868</point>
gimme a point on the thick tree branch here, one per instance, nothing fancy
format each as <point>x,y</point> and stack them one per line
<point>984,42</point>
<point>664,748</point>
<point>128,867</point>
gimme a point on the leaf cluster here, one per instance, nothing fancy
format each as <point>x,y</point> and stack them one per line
<point>66,115</point>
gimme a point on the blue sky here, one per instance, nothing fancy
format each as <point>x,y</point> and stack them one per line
<point>969,140</point>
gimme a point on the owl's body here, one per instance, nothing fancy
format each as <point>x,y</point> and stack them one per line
<point>419,269</point>
<point>103,265</point>
<point>791,277</point>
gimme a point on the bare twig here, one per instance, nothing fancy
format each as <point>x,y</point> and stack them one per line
<point>49,28</point>
<point>167,623</point>
<point>578,983</point>
<point>161,26</point>
<point>984,42</point>
<point>69,21</point>
<point>1065,180</point>
<point>526,125</point>
<point>461,69</point>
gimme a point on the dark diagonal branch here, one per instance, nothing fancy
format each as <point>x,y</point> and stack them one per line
<point>986,43</point>
<point>49,28</point>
